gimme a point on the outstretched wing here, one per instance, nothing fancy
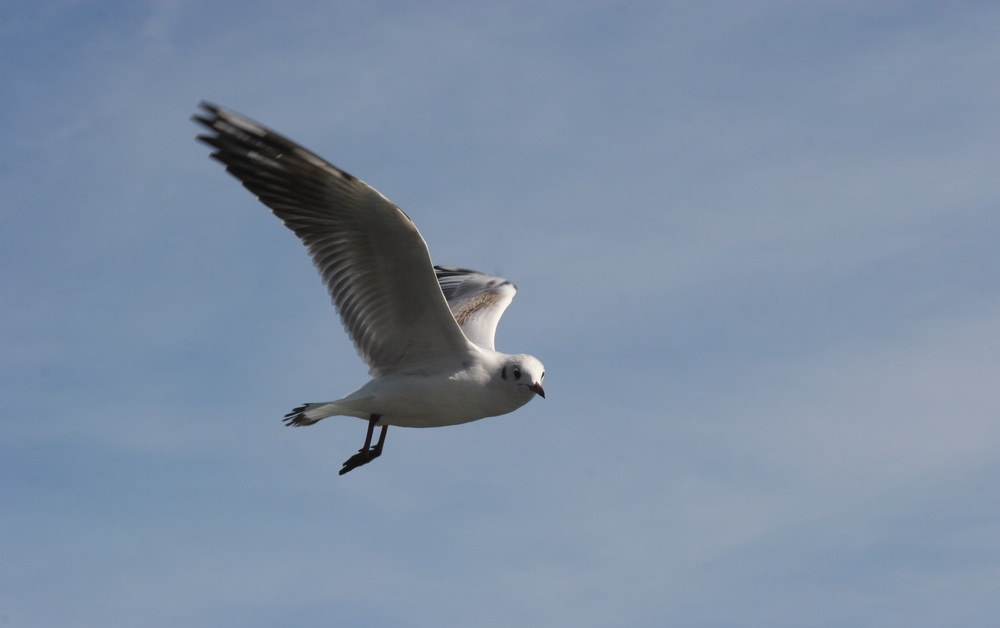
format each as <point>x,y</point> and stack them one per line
<point>476,300</point>
<point>371,257</point>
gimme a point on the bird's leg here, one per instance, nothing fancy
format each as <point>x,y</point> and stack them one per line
<point>367,453</point>
<point>377,449</point>
<point>368,437</point>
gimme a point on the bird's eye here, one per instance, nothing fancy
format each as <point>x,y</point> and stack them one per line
<point>517,373</point>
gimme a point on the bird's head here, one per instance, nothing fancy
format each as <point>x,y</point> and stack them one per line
<point>524,372</point>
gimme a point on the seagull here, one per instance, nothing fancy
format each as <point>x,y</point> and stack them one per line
<point>426,332</point>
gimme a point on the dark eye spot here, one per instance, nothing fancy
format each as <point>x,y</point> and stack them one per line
<point>503,372</point>
<point>517,373</point>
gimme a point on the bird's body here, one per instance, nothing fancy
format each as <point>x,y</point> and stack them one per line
<point>429,399</point>
<point>425,331</point>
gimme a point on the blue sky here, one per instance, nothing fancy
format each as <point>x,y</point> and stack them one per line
<point>756,247</point>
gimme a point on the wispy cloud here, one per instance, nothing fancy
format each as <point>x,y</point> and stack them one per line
<point>755,247</point>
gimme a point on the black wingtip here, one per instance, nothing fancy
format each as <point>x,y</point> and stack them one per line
<point>210,112</point>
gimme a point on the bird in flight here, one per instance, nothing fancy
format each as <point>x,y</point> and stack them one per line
<point>425,331</point>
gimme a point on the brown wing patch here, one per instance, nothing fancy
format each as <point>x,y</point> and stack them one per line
<point>473,305</point>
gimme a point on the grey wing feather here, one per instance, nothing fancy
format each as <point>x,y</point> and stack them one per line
<point>477,301</point>
<point>371,257</point>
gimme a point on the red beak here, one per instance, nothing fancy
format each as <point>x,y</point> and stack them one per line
<point>537,388</point>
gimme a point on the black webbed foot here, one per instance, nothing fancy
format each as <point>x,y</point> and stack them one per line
<point>367,453</point>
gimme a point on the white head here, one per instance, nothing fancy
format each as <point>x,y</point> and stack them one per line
<point>525,373</point>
